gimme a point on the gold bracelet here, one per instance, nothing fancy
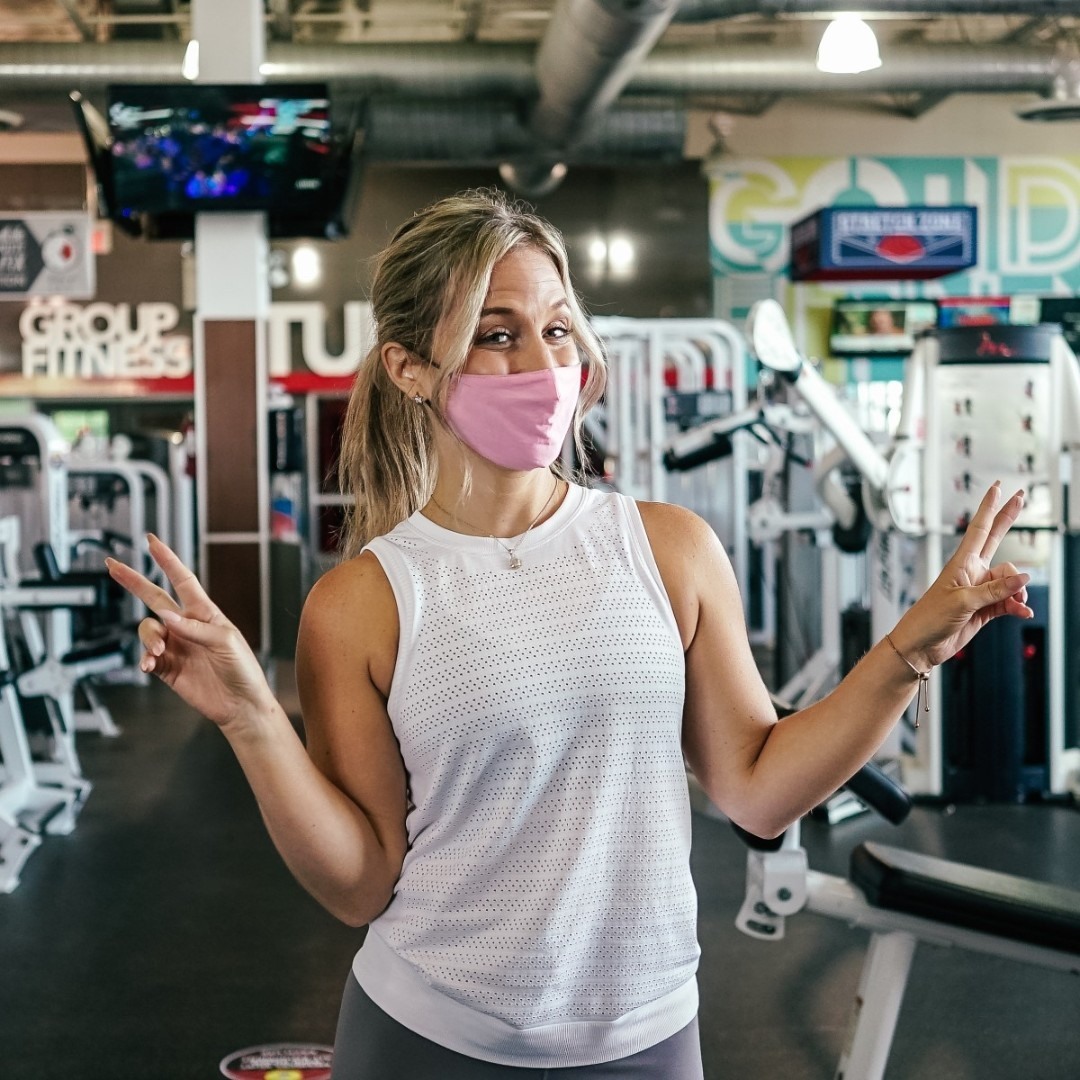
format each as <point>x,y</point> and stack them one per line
<point>924,681</point>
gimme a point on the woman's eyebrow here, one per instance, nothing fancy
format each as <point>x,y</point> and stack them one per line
<point>514,311</point>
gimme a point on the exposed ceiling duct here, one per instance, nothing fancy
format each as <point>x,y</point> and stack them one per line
<point>493,133</point>
<point>482,71</point>
<point>437,71</point>
<point>586,57</point>
<point>532,111</point>
<point>687,72</point>
<point>697,11</point>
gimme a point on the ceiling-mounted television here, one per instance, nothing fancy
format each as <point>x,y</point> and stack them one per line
<point>200,148</point>
<point>167,153</point>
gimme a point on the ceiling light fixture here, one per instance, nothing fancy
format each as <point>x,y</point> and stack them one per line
<point>306,266</point>
<point>190,67</point>
<point>1063,102</point>
<point>848,46</point>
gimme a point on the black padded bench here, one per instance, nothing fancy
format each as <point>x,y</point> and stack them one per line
<point>94,649</point>
<point>969,897</point>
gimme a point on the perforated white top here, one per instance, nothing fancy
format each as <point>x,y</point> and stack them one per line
<point>545,914</point>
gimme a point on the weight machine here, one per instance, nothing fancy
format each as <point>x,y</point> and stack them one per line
<point>34,487</point>
<point>665,375</point>
<point>979,404</point>
<point>36,796</point>
<point>113,502</point>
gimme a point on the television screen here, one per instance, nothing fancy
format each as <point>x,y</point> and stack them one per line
<point>196,148</point>
<point>879,326</point>
<point>976,311</point>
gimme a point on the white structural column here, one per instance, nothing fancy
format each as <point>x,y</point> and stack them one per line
<point>232,305</point>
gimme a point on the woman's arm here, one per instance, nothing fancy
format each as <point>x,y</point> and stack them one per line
<point>765,773</point>
<point>345,659</point>
<point>336,812</point>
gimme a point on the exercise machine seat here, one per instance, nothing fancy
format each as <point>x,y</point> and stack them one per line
<point>984,900</point>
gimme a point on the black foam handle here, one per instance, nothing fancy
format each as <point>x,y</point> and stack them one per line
<point>758,843</point>
<point>45,559</point>
<point>881,793</point>
<point>718,448</point>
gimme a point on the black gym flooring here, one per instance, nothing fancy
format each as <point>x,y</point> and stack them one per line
<point>165,934</point>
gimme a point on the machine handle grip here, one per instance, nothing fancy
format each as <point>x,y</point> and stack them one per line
<point>876,788</point>
<point>47,565</point>
<point>881,793</point>
<point>871,784</point>
<point>719,447</point>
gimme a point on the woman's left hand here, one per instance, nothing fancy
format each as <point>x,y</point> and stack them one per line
<point>968,593</point>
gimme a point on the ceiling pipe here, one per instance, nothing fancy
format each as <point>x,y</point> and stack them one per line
<point>439,71</point>
<point>686,72</point>
<point>586,57</point>
<point>480,71</point>
<point>487,132</point>
<point>699,11</point>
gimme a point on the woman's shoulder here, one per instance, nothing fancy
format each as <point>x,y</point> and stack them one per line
<point>675,527</point>
<point>355,594</point>
<point>689,557</point>
<point>350,622</point>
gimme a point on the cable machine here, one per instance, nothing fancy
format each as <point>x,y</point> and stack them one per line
<point>980,403</point>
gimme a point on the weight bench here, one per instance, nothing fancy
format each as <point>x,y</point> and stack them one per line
<point>985,901</point>
<point>903,898</point>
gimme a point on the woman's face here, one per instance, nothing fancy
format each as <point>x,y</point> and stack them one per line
<point>525,324</point>
<point>882,322</point>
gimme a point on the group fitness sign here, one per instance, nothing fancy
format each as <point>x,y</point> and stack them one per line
<point>62,340</point>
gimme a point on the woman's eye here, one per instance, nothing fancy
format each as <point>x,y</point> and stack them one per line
<point>559,331</point>
<point>495,337</point>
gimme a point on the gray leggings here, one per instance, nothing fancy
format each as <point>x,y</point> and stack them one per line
<point>372,1046</point>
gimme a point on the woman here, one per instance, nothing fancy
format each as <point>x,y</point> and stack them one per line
<point>503,681</point>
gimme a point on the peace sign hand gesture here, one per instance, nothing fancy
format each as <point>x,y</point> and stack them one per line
<point>194,649</point>
<point>968,593</point>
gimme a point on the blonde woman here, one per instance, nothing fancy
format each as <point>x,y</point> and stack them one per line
<point>503,681</point>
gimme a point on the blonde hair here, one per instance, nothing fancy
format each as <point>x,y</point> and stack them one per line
<point>428,291</point>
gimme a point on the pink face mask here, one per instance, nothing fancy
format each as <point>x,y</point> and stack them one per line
<point>516,421</point>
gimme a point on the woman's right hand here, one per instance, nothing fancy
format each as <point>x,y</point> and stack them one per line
<point>194,649</point>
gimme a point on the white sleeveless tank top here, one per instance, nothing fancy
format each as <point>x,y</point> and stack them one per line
<point>545,914</point>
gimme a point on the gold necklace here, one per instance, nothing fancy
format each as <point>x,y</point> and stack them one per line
<point>510,549</point>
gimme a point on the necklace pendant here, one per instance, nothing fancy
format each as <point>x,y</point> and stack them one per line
<point>515,562</point>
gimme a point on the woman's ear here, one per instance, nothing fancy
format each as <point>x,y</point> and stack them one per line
<point>406,370</point>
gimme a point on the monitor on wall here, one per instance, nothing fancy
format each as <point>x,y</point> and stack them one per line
<point>977,311</point>
<point>198,148</point>
<point>879,326</point>
<point>167,153</point>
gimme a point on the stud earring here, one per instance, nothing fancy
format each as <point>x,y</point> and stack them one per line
<point>418,398</point>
